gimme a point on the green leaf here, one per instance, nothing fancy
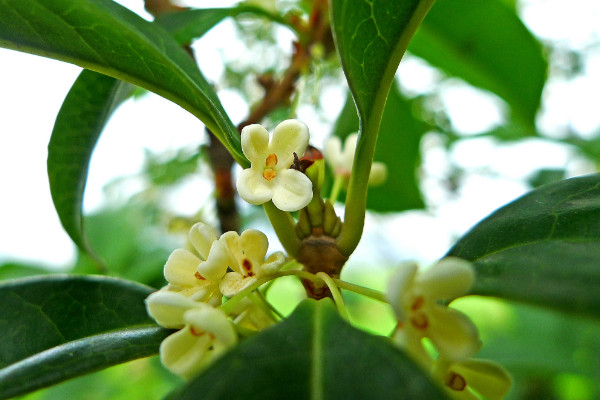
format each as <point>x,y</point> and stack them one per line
<point>79,357</point>
<point>82,116</point>
<point>370,39</point>
<point>397,147</point>
<point>486,44</point>
<point>543,248</point>
<point>105,37</point>
<point>57,327</point>
<point>313,354</point>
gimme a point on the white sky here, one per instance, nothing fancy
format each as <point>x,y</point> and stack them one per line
<point>33,88</point>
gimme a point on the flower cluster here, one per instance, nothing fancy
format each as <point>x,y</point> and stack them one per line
<point>419,301</point>
<point>198,278</point>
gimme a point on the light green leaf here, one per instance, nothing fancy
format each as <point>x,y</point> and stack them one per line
<point>485,43</point>
<point>397,147</point>
<point>57,327</point>
<point>313,354</point>
<point>370,39</point>
<point>86,109</point>
<point>543,248</point>
<point>105,37</point>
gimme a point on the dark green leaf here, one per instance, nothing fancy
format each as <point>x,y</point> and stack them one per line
<point>79,357</point>
<point>81,119</point>
<point>397,147</point>
<point>57,327</point>
<point>103,36</point>
<point>543,248</point>
<point>486,44</point>
<point>370,39</point>
<point>314,354</point>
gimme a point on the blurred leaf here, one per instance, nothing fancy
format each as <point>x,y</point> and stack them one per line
<point>82,116</point>
<point>312,355</point>
<point>164,172</point>
<point>546,176</point>
<point>486,44</point>
<point>543,248</point>
<point>190,24</point>
<point>57,327</point>
<point>103,36</point>
<point>14,270</point>
<point>398,147</point>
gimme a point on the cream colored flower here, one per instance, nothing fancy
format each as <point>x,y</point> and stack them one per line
<point>341,161</point>
<point>204,332</point>
<point>484,377</point>
<point>247,260</point>
<point>417,296</point>
<point>197,273</point>
<point>270,176</point>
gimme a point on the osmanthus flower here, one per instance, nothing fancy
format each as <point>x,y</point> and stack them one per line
<point>417,299</point>
<point>341,160</point>
<point>247,260</point>
<point>197,272</point>
<point>462,378</point>
<point>269,176</point>
<point>204,332</point>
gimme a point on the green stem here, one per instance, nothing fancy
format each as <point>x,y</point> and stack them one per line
<point>266,305</point>
<point>374,294</point>
<point>336,188</point>
<point>285,228</point>
<point>370,119</point>
<point>231,303</point>
<point>335,292</point>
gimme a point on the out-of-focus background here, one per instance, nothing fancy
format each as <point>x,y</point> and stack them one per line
<point>149,180</point>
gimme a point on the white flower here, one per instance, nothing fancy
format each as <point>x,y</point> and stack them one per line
<point>416,298</point>
<point>341,161</point>
<point>485,377</point>
<point>205,332</point>
<point>247,260</point>
<point>270,176</point>
<point>198,273</point>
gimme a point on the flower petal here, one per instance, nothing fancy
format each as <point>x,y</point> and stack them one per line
<point>253,188</point>
<point>213,321</point>
<point>167,308</point>
<point>293,190</point>
<point>378,174</point>
<point>349,150</point>
<point>255,143</point>
<point>290,136</point>
<point>273,263</point>
<point>485,377</point>
<point>448,279</point>
<point>181,267</point>
<point>454,335</point>
<point>202,236</point>
<point>398,289</point>
<point>234,282</point>
<point>216,264</point>
<point>184,353</point>
<point>333,153</point>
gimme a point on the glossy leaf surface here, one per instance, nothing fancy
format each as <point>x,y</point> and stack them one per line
<point>313,354</point>
<point>75,324</point>
<point>106,37</point>
<point>543,248</point>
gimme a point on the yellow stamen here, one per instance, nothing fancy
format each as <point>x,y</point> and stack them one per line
<point>269,174</point>
<point>271,160</point>
<point>456,382</point>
